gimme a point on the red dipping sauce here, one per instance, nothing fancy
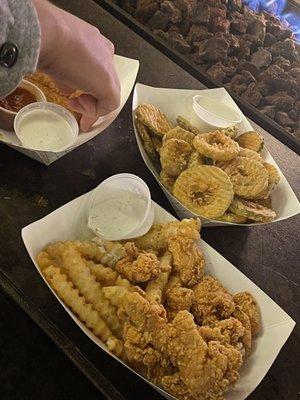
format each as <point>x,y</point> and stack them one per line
<point>18,99</point>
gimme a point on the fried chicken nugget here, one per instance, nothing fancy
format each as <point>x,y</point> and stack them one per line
<point>178,299</point>
<point>188,259</point>
<point>138,266</point>
<point>212,302</point>
<point>174,156</point>
<point>249,305</point>
<point>81,308</point>
<point>158,236</point>
<point>155,287</point>
<point>179,133</point>
<point>153,118</point>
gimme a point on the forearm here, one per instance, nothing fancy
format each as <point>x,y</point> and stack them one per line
<point>20,28</point>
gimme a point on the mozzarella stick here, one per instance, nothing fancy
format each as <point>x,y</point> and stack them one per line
<point>155,288</point>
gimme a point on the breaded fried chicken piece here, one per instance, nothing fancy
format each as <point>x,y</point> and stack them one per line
<point>178,299</point>
<point>249,305</point>
<point>138,266</point>
<point>188,259</point>
<point>212,302</point>
<point>158,236</point>
<point>205,369</point>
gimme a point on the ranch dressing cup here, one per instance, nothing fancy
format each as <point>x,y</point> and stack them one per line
<point>46,126</point>
<point>210,114</point>
<point>120,208</point>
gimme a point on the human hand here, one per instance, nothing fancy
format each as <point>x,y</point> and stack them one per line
<point>77,56</point>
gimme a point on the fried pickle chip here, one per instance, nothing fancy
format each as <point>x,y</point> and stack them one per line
<point>248,177</point>
<point>216,145</point>
<point>264,202</point>
<point>252,210</point>
<point>251,140</point>
<point>185,124</point>
<point>174,156</point>
<point>156,143</point>
<point>231,131</point>
<point>250,154</point>
<point>273,179</point>
<point>206,190</point>
<point>167,180</point>
<point>179,133</point>
<point>152,117</point>
<point>147,142</point>
<point>195,159</point>
<point>233,218</point>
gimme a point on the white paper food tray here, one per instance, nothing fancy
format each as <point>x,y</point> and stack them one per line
<point>174,102</point>
<point>127,70</point>
<point>69,222</point>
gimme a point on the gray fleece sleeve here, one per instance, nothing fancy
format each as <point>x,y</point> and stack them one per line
<point>19,26</point>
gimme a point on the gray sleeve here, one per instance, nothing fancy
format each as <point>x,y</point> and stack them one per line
<point>19,25</point>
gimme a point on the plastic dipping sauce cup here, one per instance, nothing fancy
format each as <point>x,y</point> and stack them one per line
<point>120,208</point>
<point>46,126</point>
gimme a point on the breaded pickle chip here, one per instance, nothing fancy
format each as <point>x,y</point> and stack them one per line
<point>251,140</point>
<point>250,154</point>
<point>185,124</point>
<point>167,180</point>
<point>206,190</point>
<point>273,179</point>
<point>195,159</point>
<point>174,156</point>
<point>179,133</point>
<point>216,145</point>
<point>248,177</point>
<point>233,218</point>
<point>231,131</point>
<point>147,142</point>
<point>152,117</point>
<point>252,210</point>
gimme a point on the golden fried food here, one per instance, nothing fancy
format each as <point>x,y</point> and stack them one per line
<point>239,314</point>
<point>146,138</point>
<point>105,276</point>
<point>195,160</point>
<point>231,131</point>
<point>252,210</point>
<point>167,180</point>
<point>206,190</point>
<point>74,266</point>
<point>212,302</point>
<point>216,145</point>
<point>158,236</point>
<point>138,266</point>
<point>251,140</point>
<point>153,118</point>
<point>178,299</point>
<point>232,218</point>
<point>249,306</point>
<point>188,259</point>
<point>179,133</point>
<point>81,308</point>
<point>264,202</point>
<point>155,287</point>
<point>174,156</point>
<point>248,177</point>
<point>52,92</point>
<point>186,125</point>
<point>273,179</point>
<point>156,143</point>
<point>250,154</point>
<point>102,251</point>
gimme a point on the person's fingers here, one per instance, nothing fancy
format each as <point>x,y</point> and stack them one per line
<point>63,88</point>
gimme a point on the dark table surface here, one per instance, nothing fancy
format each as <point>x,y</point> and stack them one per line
<point>31,367</point>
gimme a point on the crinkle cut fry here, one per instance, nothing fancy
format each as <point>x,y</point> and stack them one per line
<point>81,308</point>
<point>79,273</point>
<point>155,288</point>
<point>104,275</point>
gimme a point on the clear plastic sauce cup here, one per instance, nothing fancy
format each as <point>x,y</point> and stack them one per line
<point>120,208</point>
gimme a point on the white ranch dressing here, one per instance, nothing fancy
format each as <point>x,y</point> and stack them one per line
<point>45,130</point>
<point>118,214</point>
